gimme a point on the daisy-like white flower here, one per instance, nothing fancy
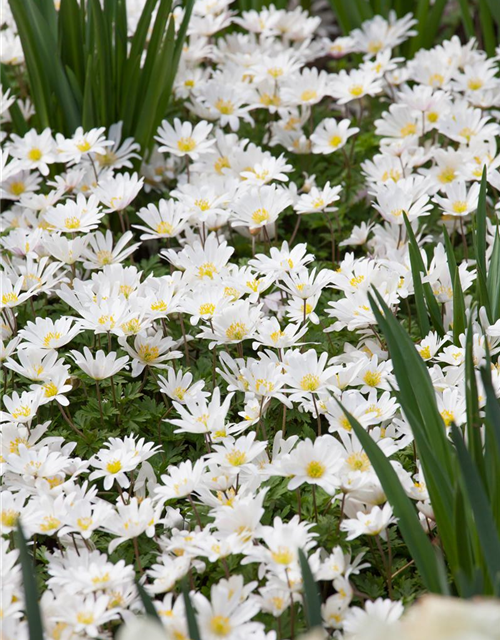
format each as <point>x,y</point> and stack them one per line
<point>330,136</point>
<point>314,463</point>
<point>225,103</point>
<point>459,200</point>
<point>180,481</point>
<point>150,351</point>
<point>260,207</point>
<point>371,523</point>
<point>35,150</point>
<point>20,408</point>
<point>179,386</point>
<point>353,85</point>
<point>102,251</point>
<point>184,140</point>
<point>317,200</point>
<point>75,216</point>
<point>99,366</point>
<point>131,520</point>
<point>117,193</point>
<point>234,324</point>
<point>44,333</point>
<point>81,144</point>
<point>305,88</point>
<point>167,219</point>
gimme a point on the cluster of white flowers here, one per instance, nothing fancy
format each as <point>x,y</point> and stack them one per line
<point>66,194</point>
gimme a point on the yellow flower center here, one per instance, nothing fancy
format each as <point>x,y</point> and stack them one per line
<point>202,204</point>
<point>49,523</point>
<point>436,79</point>
<point>148,353</point>
<point>459,206</point>
<point>432,116</point>
<point>283,555</point>
<point>359,461</point>
<point>425,352</point>
<point>17,188</point>
<point>335,141</point>
<point>356,90</point>
<point>160,305</point>
<point>207,269</point>
<point>221,163</point>
<point>22,411</point>
<point>466,133</point>
<point>186,144</point>
<point>374,46</point>
<point>164,227</point>
<point>308,95</point>
<point>9,518</point>
<point>104,257</point>
<point>85,617</point>
<point>474,84</point>
<point>315,469</point>
<point>34,154</point>
<point>309,382</point>
<point>83,146</point>
<point>275,72</point>
<point>357,280</point>
<point>84,523</point>
<point>220,626</point>
<point>448,417</point>
<point>206,309</point>
<point>447,175</point>
<point>8,298</point>
<point>372,378</point>
<point>236,331</point>
<point>180,392</point>
<point>114,466</point>
<point>50,390</point>
<point>277,335</point>
<point>270,100</point>
<point>225,107</point>
<point>408,130</point>
<point>260,215</point>
<point>73,222</point>
<point>236,458</point>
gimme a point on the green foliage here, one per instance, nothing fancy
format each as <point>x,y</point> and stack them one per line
<point>32,608</point>
<point>433,18</point>
<point>84,71</point>
<point>312,603</point>
<point>462,474</point>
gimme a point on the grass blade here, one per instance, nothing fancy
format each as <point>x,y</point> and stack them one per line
<point>33,614</point>
<point>147,602</point>
<point>194,632</point>
<point>408,522</point>
<point>312,602</point>
<point>487,532</point>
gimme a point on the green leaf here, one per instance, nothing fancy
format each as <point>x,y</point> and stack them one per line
<point>493,279</point>
<point>32,608</point>
<point>415,385</point>
<point>485,523</point>
<point>312,602</point>
<point>422,317</point>
<point>408,522</point>
<point>18,121</point>
<point>432,304</point>
<point>194,632</point>
<point>481,224</point>
<point>147,602</point>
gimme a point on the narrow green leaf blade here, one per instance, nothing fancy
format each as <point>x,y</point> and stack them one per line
<point>33,614</point>
<point>312,600</point>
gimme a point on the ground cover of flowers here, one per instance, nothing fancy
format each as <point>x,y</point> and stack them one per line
<point>189,334</point>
